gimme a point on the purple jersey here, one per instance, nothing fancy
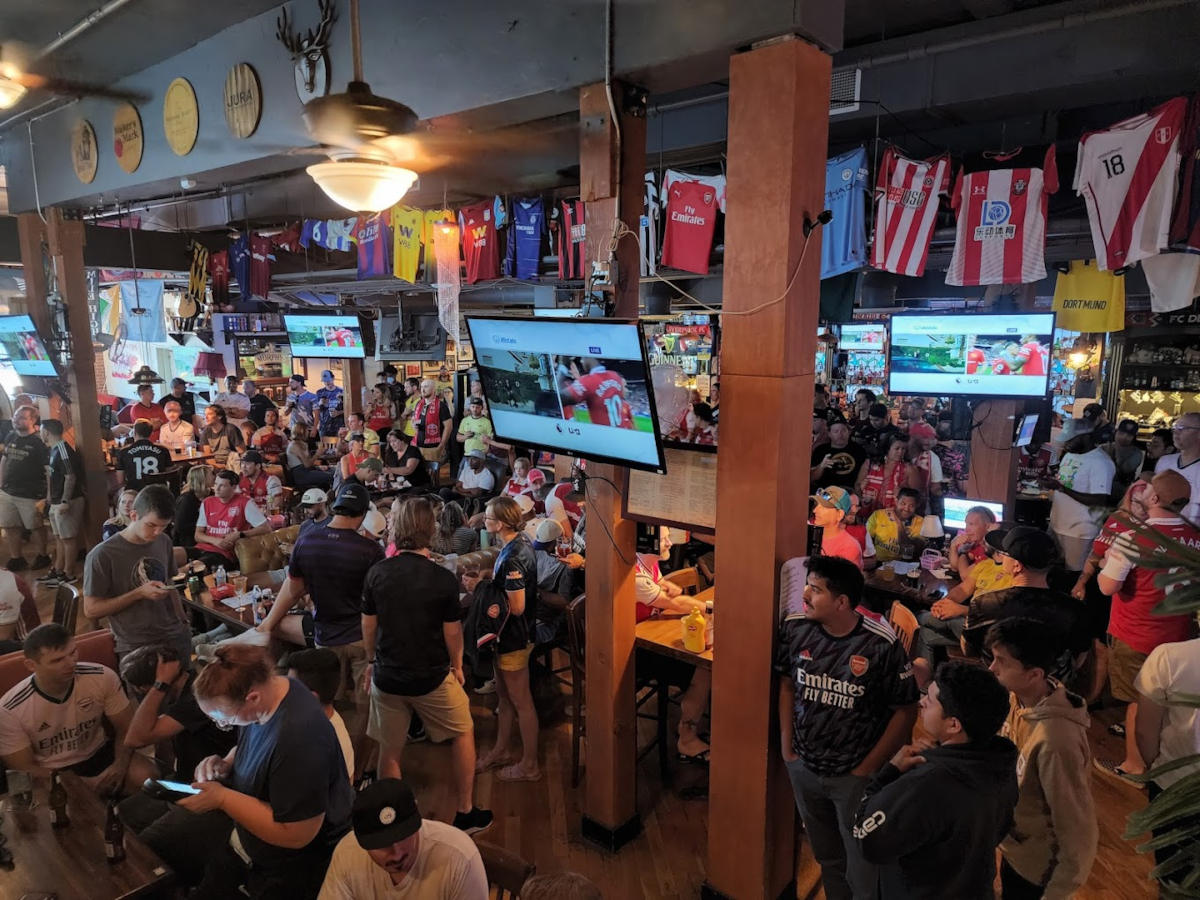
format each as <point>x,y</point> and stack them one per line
<point>373,242</point>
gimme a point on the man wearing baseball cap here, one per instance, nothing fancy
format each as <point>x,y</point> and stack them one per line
<point>300,401</point>
<point>832,507</point>
<point>392,848</point>
<point>257,483</point>
<point>475,480</point>
<point>475,430</point>
<point>314,503</point>
<point>921,438</point>
<point>330,402</point>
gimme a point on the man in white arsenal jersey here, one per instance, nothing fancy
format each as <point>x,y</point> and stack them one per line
<point>1001,203</point>
<point>1127,177</point>
<point>907,193</point>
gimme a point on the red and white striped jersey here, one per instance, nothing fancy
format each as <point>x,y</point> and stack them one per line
<point>1127,177</point>
<point>1001,236</point>
<point>906,205</point>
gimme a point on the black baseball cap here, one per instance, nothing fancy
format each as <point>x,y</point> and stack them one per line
<point>1029,546</point>
<point>385,812</point>
<point>352,500</point>
<point>252,456</point>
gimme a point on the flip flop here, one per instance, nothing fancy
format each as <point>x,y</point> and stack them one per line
<point>513,773</point>
<point>1114,771</point>
<point>497,763</point>
<point>1117,729</point>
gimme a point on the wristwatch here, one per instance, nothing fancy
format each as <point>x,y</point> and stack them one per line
<point>163,686</point>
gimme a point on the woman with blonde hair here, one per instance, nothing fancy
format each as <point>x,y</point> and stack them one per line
<point>197,486</point>
<point>516,570</point>
<point>124,514</point>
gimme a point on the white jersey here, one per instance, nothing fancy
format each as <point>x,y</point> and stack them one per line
<point>648,229</point>
<point>61,732</point>
<point>1127,177</point>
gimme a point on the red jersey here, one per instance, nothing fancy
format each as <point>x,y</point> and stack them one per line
<point>218,271</point>
<point>256,489</point>
<point>222,518</point>
<point>604,393</point>
<point>479,242</point>
<point>569,223</point>
<point>339,337</point>
<point>260,265</point>
<point>1132,618</point>
<point>906,205</point>
<point>1033,357</point>
<point>691,218</point>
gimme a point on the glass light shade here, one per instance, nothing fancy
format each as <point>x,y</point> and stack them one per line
<point>10,91</point>
<point>931,527</point>
<point>362,186</point>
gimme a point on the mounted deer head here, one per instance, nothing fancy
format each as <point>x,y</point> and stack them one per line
<point>309,52</point>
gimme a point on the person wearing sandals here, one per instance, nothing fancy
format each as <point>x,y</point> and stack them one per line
<point>516,569</point>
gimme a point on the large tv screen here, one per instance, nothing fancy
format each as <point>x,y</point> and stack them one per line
<point>335,337</point>
<point>19,342</point>
<point>970,354</point>
<point>682,353</point>
<point>862,337</point>
<point>577,386</point>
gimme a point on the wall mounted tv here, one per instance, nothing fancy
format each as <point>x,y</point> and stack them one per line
<point>970,354</point>
<point>19,342</point>
<point>411,334</point>
<point>333,337</point>
<point>577,386</point>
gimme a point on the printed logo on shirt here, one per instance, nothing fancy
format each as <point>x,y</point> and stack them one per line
<point>847,174</point>
<point>859,665</point>
<point>85,702</point>
<point>869,824</point>
<point>994,222</point>
<point>804,654</point>
<point>1164,134</point>
<point>43,726</point>
<point>1019,186</point>
<point>827,690</point>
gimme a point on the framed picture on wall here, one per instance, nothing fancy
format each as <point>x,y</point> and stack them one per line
<point>412,370</point>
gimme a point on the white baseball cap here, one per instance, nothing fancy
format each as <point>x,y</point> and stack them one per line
<point>313,496</point>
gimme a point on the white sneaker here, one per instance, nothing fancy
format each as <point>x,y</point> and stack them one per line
<point>488,687</point>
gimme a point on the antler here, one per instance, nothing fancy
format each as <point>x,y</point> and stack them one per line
<point>287,37</point>
<point>328,17</point>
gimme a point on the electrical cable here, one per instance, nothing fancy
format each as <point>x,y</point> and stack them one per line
<point>600,519</point>
<point>612,107</point>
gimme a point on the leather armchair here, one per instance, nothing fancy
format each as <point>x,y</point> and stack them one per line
<point>263,552</point>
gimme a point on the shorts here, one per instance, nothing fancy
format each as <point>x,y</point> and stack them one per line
<point>19,512</point>
<point>353,658</point>
<point>97,762</point>
<point>445,711</point>
<point>1124,663</point>
<point>515,660</point>
<point>66,522</point>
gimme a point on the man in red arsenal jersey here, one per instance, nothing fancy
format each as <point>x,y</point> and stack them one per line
<point>225,518</point>
<point>975,359</point>
<point>603,392</point>
<point>1030,357</point>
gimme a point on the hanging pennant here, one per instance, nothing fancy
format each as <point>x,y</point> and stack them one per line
<point>445,249</point>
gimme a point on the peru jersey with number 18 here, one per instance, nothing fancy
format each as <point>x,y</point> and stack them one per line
<point>1126,175</point>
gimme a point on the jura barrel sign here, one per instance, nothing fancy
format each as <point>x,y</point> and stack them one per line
<point>243,101</point>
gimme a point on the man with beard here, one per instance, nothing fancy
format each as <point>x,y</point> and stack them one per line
<point>836,463</point>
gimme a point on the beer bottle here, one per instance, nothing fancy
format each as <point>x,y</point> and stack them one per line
<point>58,802</point>
<point>114,833</point>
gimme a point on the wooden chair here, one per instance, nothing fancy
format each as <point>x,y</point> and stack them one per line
<point>576,619</point>
<point>904,623</point>
<point>687,579</point>
<point>66,606</point>
<point>506,871</point>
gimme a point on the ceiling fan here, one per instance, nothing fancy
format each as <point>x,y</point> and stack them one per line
<point>16,80</point>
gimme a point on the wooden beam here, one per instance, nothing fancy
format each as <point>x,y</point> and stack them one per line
<point>66,238</point>
<point>610,811</point>
<point>778,123</point>
<point>993,472</point>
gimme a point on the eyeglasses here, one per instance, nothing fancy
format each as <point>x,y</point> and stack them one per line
<point>1185,427</point>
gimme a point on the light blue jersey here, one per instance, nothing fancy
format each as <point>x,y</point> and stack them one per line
<point>844,241</point>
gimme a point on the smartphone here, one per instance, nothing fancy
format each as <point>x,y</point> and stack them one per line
<point>168,790</point>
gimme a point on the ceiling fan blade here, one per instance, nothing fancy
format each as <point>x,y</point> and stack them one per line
<point>69,88</point>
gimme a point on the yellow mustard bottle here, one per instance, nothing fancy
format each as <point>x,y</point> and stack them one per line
<point>694,626</point>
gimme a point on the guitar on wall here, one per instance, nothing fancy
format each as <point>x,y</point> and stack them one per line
<point>192,303</point>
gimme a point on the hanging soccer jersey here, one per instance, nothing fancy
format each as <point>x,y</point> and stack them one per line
<point>844,239</point>
<point>478,223</point>
<point>525,232</point>
<point>334,234</point>
<point>1089,299</point>
<point>906,204</point>
<point>1126,175</point>
<point>648,229</point>
<point>570,222</point>
<point>691,217</point>
<point>716,182</point>
<point>1185,223</point>
<point>260,265</point>
<point>1173,279</point>
<point>370,234</point>
<point>1001,234</point>
<point>218,271</point>
<point>406,241</point>
<point>239,264</point>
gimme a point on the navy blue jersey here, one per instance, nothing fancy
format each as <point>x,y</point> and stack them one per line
<point>239,262</point>
<point>525,232</point>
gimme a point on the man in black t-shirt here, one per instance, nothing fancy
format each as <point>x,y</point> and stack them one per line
<point>414,641</point>
<point>847,703</point>
<point>259,403</point>
<point>66,504</point>
<point>23,489</point>
<point>142,459</point>
<point>836,463</point>
<point>872,433</point>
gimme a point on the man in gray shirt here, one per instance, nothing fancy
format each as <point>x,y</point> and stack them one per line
<point>126,579</point>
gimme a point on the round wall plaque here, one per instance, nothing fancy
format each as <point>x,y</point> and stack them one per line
<point>181,117</point>
<point>243,101</point>
<point>85,155</point>
<point>127,137</point>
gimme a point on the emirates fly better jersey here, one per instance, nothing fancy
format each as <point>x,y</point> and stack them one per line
<point>906,205</point>
<point>1001,235</point>
<point>1126,175</point>
<point>844,239</point>
<point>604,393</point>
<point>61,732</point>
<point>691,218</point>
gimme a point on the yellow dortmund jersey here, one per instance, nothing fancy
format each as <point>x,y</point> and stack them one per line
<point>1089,300</point>
<point>431,218</point>
<point>407,227</point>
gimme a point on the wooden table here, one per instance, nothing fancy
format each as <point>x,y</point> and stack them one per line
<point>183,458</point>
<point>664,636</point>
<point>929,589</point>
<point>70,862</point>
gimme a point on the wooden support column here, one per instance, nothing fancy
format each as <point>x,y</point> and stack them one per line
<point>65,240</point>
<point>610,813</point>
<point>993,473</point>
<point>778,124</point>
<point>353,380</point>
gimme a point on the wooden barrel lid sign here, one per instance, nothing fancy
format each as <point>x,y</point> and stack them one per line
<point>127,137</point>
<point>243,101</point>
<point>85,155</point>
<point>181,117</point>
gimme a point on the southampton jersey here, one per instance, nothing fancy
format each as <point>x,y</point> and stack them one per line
<point>372,239</point>
<point>691,218</point>
<point>478,225</point>
<point>906,205</point>
<point>525,233</point>
<point>844,239</point>
<point>604,393</point>
<point>570,225</point>
<point>1001,234</point>
<point>61,732</point>
<point>406,242</point>
<point>846,689</point>
<point>1126,175</point>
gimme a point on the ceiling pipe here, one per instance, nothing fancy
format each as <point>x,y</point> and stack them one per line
<point>83,25</point>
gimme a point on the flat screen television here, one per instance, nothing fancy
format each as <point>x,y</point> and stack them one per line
<point>19,342</point>
<point>958,507</point>
<point>970,354</point>
<point>682,353</point>
<point>863,337</point>
<point>334,337</point>
<point>576,386</point>
<point>1025,431</point>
